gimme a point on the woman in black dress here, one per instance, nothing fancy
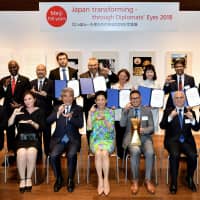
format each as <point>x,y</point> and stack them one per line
<point>29,121</point>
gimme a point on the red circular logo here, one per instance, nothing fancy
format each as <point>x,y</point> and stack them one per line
<point>56,16</point>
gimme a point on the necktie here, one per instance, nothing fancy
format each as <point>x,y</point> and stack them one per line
<point>136,112</point>
<point>40,86</point>
<point>13,84</point>
<point>64,74</point>
<point>180,116</point>
<point>65,138</point>
<point>67,109</point>
<point>180,84</point>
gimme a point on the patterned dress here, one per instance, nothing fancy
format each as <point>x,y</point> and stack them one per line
<point>101,136</point>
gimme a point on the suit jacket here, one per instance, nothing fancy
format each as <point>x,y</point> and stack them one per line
<point>71,127</point>
<point>146,123</point>
<point>22,85</point>
<point>44,102</point>
<point>88,102</point>
<point>55,74</point>
<point>173,129</point>
<point>188,81</point>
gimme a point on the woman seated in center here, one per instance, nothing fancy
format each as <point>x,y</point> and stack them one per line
<point>101,122</point>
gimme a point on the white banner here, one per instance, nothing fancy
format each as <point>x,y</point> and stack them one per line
<point>109,16</point>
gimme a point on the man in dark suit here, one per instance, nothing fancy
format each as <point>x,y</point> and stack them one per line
<point>12,88</point>
<point>178,123</point>
<point>43,89</point>
<point>63,72</point>
<point>94,71</point>
<point>178,81</point>
<point>66,138</point>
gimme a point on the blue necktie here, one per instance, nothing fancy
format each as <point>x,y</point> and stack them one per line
<point>180,116</point>
<point>136,112</point>
<point>65,138</point>
<point>64,74</point>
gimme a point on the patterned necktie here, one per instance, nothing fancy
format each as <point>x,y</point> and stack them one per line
<point>64,74</point>
<point>180,84</point>
<point>65,138</point>
<point>13,84</point>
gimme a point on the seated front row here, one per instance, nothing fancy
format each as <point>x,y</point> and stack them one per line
<point>178,123</point>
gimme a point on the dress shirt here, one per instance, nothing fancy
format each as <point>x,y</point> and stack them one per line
<point>61,72</point>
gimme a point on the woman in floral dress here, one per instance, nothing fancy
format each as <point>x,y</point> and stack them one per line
<point>101,122</point>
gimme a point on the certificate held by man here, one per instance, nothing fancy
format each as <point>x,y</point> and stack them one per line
<point>61,84</point>
<point>90,86</point>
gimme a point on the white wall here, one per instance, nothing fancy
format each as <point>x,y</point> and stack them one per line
<point>21,39</point>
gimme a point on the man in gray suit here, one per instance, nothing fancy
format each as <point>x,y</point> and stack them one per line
<point>134,110</point>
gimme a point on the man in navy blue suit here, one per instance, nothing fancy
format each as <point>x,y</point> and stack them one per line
<point>178,123</point>
<point>66,138</point>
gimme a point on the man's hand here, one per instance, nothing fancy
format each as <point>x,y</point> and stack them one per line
<point>14,104</point>
<point>128,106</point>
<point>173,113</point>
<point>169,80</point>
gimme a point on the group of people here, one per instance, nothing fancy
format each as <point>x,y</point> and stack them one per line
<point>31,107</point>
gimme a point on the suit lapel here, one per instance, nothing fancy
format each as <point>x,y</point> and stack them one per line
<point>45,84</point>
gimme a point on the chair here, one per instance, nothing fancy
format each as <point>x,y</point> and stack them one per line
<point>6,165</point>
<point>114,154</point>
<point>183,156</point>
<point>142,156</point>
<point>47,169</point>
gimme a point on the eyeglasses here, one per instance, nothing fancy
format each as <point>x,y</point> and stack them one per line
<point>133,98</point>
<point>179,97</point>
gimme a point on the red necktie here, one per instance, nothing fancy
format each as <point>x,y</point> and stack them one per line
<point>13,86</point>
<point>180,85</point>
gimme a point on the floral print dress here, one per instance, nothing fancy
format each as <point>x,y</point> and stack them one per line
<point>101,136</point>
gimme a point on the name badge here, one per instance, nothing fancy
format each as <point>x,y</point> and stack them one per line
<point>144,118</point>
<point>186,87</point>
<point>187,121</point>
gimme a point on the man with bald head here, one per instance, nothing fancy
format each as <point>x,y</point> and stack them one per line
<point>12,88</point>
<point>178,123</point>
<point>43,89</point>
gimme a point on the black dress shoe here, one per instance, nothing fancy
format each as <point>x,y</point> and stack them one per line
<point>191,184</point>
<point>58,185</point>
<point>70,185</point>
<point>173,189</point>
<point>28,188</point>
<point>22,189</point>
